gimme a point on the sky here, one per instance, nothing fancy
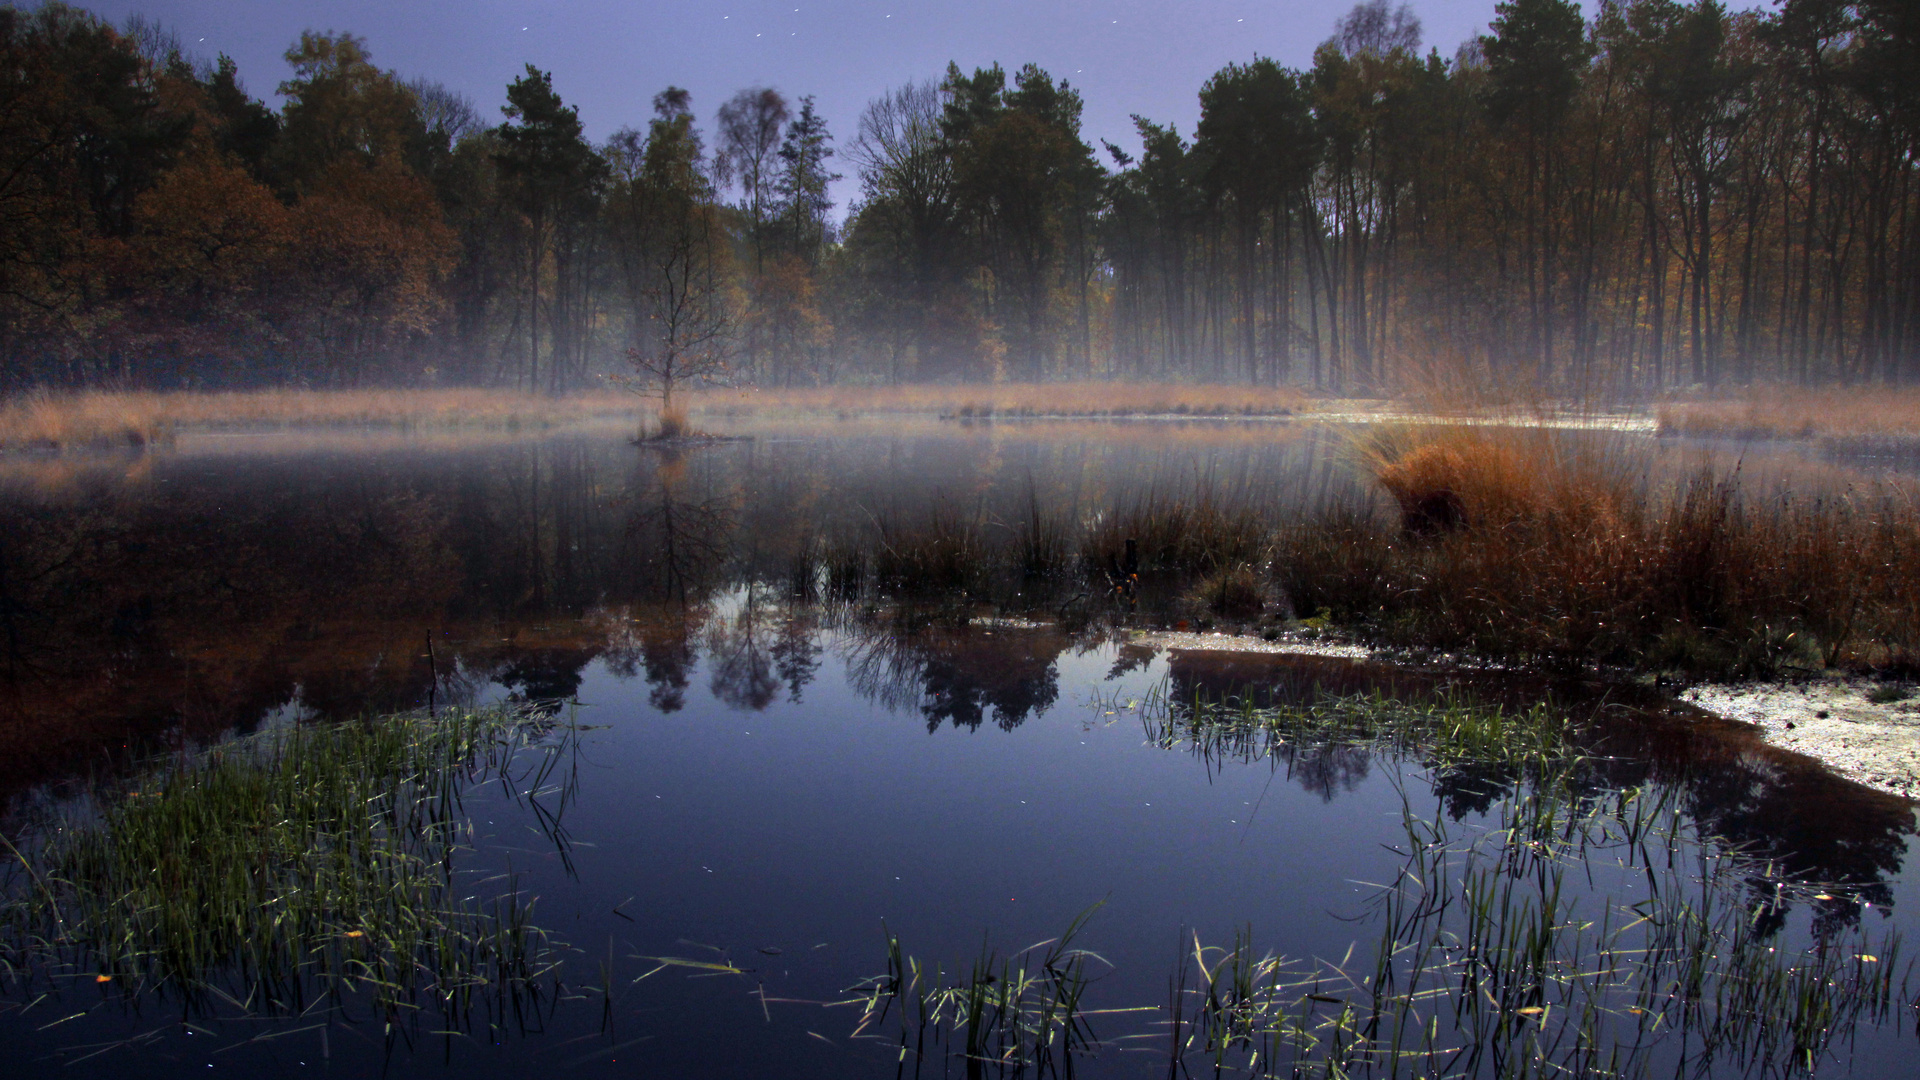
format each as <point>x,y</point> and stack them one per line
<point>609,57</point>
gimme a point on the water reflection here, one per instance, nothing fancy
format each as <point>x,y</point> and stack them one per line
<point>958,675</point>
<point>1756,797</point>
<point>196,596</point>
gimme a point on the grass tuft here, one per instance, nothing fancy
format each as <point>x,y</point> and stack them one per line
<point>1238,591</point>
<point>1568,933</point>
<point>288,868</point>
<point>1526,546</point>
<point>54,420</point>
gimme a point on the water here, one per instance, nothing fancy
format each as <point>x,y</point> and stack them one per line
<point>767,775</point>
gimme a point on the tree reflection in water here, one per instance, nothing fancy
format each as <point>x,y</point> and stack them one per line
<point>195,597</point>
<point>1733,785</point>
<point>957,674</point>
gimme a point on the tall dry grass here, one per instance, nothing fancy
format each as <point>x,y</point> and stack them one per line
<point>135,418</point>
<point>49,419</point>
<point>987,400</point>
<point>1526,546</point>
<point>1197,532</point>
<point>1794,413</point>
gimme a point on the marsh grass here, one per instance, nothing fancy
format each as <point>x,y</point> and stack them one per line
<point>1007,1016</point>
<point>1841,413</point>
<point>1527,546</point>
<point>1039,554</point>
<point>1520,546</point>
<point>1518,950</point>
<point>1564,932</point>
<point>120,418</point>
<point>987,400</point>
<point>310,867</point>
<point>1238,591</point>
<point>944,549</point>
<point>1200,532</point>
<point>1442,733</point>
<point>1570,931</point>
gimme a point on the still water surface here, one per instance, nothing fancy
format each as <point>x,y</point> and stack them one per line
<point>764,773</point>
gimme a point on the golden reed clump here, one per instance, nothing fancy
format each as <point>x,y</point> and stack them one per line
<point>1534,545</point>
<point>55,420</point>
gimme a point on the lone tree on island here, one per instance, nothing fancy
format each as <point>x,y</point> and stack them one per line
<point>684,326</point>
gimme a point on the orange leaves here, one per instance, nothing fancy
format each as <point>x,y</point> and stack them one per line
<point>207,225</point>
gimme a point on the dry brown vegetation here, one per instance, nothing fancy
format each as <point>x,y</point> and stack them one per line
<point>98,418</point>
<point>111,418</point>
<point>1793,413</point>
<point>1527,546</point>
<point>985,400</point>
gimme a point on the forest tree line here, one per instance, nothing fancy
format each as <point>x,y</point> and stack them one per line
<point>1649,195</point>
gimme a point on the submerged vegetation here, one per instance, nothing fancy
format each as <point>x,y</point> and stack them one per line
<point>311,868</point>
<point>1564,930</point>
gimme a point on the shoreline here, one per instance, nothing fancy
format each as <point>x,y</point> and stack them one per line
<point>1829,719</point>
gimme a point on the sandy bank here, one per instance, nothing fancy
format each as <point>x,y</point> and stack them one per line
<point>1831,720</point>
<point>1873,743</point>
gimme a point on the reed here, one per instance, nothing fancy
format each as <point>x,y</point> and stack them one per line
<point>1526,546</point>
<point>1009,1015</point>
<point>1496,957</point>
<point>92,418</point>
<point>983,401</point>
<point>1200,532</point>
<point>1799,413</point>
<point>294,869</point>
<point>944,550</point>
<point>1567,932</point>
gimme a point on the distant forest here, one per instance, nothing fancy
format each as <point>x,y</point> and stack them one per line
<point>1660,195</point>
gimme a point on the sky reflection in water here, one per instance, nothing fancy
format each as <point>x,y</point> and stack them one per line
<point>769,776</point>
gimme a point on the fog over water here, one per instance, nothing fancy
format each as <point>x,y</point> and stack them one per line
<point>769,768</point>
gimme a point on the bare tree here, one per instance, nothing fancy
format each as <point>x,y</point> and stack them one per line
<point>678,257</point>
<point>898,150</point>
<point>689,335</point>
<point>447,114</point>
<point>749,142</point>
<point>1374,29</point>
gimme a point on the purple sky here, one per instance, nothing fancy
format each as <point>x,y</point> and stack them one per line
<point>610,57</point>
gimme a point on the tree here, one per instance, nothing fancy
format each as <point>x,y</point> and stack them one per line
<point>555,177</point>
<point>1255,149</point>
<point>679,258</point>
<point>747,152</point>
<point>247,130</point>
<point>86,128</point>
<point>1535,58</point>
<point>903,240</point>
<point>802,184</point>
<point>1025,180</point>
<point>342,112</point>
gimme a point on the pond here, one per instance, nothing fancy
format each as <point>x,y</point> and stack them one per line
<point>748,760</point>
